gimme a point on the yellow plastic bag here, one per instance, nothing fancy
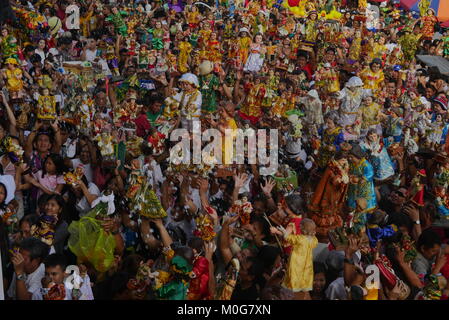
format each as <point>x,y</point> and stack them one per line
<point>90,243</point>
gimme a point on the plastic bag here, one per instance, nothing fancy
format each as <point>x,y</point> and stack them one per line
<point>90,243</point>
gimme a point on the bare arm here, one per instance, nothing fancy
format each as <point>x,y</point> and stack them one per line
<point>224,240</point>
<point>349,270</point>
<point>165,199</point>
<point>11,117</point>
<point>239,182</point>
<point>411,276</point>
<point>58,138</point>
<point>209,249</point>
<point>166,239</point>
<point>28,150</point>
<point>89,196</point>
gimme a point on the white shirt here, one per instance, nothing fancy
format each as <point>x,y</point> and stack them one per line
<point>32,283</point>
<point>337,290</point>
<point>91,55</point>
<point>85,289</point>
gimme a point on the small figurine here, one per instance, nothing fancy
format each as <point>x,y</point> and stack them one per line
<point>243,208</point>
<point>46,106</point>
<point>105,144</point>
<point>416,191</point>
<point>184,50</point>
<point>117,20</point>
<point>8,45</point>
<point>209,84</point>
<point>45,229</point>
<point>256,56</point>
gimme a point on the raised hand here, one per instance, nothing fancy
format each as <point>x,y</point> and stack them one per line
<point>240,180</point>
<point>209,249</point>
<point>269,185</point>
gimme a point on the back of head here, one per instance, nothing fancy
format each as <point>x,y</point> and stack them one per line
<point>196,243</point>
<point>295,203</point>
<point>36,248</point>
<point>131,264</point>
<point>54,260</point>
<point>428,239</point>
<point>185,252</point>
<point>335,263</point>
<point>267,255</point>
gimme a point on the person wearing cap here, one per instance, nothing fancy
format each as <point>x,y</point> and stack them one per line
<point>361,175</point>
<point>189,99</point>
<point>13,76</point>
<point>373,76</point>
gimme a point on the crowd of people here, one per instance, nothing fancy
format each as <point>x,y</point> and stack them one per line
<point>93,207</point>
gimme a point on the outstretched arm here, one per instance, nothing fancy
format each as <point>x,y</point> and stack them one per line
<point>224,240</point>
<point>166,239</point>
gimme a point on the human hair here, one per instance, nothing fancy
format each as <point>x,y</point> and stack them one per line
<point>295,203</point>
<point>35,58</point>
<point>153,97</point>
<point>401,220</point>
<point>371,131</point>
<point>196,243</point>
<point>264,224</point>
<point>29,48</point>
<point>58,162</point>
<point>376,61</point>
<point>319,267</point>
<point>43,133</point>
<point>257,269</point>
<point>131,264</point>
<point>54,260</point>
<point>428,239</point>
<point>267,255</point>
<point>3,204</point>
<point>185,252</point>
<point>59,200</point>
<point>332,115</point>
<point>31,219</point>
<point>306,222</point>
<point>36,248</point>
<point>357,152</point>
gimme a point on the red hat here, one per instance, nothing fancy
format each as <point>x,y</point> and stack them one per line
<point>422,172</point>
<point>442,101</point>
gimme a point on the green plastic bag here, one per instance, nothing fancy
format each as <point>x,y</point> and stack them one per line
<point>90,243</point>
